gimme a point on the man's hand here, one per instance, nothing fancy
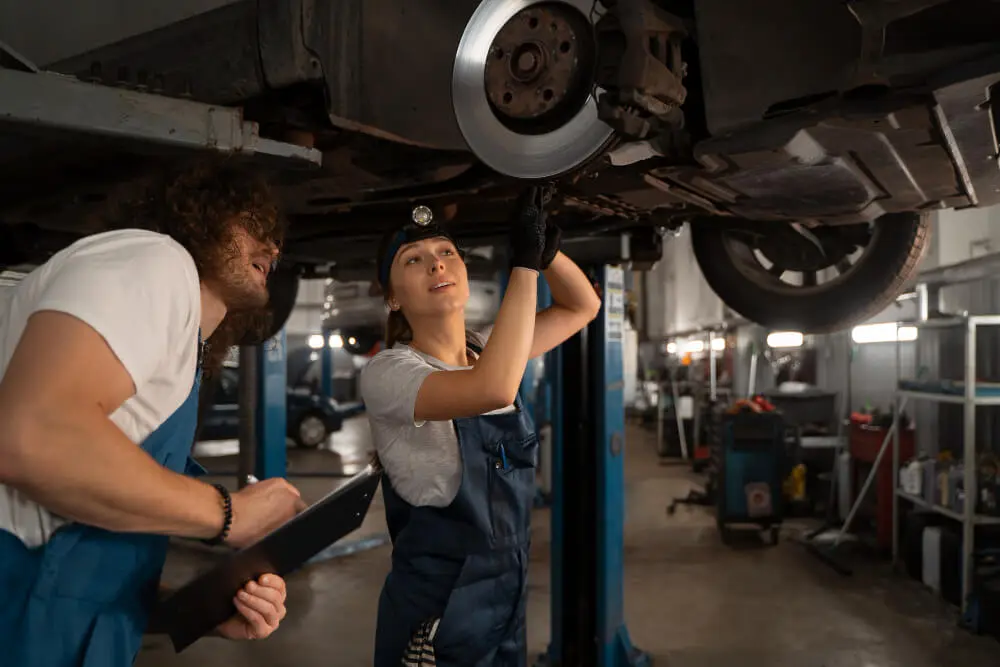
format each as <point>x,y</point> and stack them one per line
<point>261,607</point>
<point>260,508</point>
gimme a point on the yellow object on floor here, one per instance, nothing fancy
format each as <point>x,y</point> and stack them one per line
<point>795,484</point>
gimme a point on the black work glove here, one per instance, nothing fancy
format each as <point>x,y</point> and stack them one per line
<point>553,236</point>
<point>527,233</point>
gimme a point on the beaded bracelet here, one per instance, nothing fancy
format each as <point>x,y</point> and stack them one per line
<point>227,522</point>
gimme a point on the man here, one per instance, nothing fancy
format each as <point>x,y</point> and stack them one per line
<point>101,356</point>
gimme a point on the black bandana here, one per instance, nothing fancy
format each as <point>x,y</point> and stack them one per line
<point>409,233</point>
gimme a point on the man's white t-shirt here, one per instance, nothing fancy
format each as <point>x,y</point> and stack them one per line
<point>140,291</point>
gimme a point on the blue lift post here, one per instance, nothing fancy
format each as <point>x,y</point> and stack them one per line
<point>271,414</point>
<point>326,368</point>
<point>588,514</point>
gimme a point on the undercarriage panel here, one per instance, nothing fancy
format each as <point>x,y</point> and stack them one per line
<point>844,168</point>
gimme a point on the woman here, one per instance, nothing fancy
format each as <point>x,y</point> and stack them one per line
<point>457,450</point>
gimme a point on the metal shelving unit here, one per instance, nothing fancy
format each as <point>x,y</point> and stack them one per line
<point>970,399</point>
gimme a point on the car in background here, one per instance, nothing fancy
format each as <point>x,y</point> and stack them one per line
<point>311,419</point>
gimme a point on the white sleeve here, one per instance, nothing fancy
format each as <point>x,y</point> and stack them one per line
<point>482,336</point>
<point>390,383</point>
<point>138,296</point>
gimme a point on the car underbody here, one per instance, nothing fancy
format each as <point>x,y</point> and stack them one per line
<point>802,142</point>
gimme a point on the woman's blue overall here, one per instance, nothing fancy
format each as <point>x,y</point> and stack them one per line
<point>82,599</point>
<point>466,563</point>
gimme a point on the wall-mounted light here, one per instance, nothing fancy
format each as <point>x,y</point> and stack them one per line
<point>883,332</point>
<point>315,341</point>
<point>780,339</point>
<point>694,346</point>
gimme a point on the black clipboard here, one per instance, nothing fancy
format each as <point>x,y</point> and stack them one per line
<point>197,608</point>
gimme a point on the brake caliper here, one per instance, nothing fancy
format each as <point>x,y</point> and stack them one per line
<point>640,68</point>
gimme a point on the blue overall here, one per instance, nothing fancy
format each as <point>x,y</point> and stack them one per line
<point>466,563</point>
<point>82,599</point>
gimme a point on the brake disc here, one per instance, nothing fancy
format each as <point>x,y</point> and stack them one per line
<point>522,87</point>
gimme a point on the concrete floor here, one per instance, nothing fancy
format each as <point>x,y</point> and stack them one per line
<point>690,601</point>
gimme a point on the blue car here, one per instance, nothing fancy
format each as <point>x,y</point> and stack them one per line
<point>311,416</point>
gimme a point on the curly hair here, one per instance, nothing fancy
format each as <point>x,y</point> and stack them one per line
<point>196,202</point>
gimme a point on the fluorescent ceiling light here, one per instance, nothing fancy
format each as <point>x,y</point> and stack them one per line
<point>316,341</point>
<point>785,339</point>
<point>718,344</point>
<point>336,341</point>
<point>884,332</point>
<point>671,348</point>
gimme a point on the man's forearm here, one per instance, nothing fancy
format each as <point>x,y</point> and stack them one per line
<point>82,467</point>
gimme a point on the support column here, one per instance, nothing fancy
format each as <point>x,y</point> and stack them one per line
<point>271,416</point>
<point>246,409</point>
<point>614,644</point>
<point>588,514</point>
<point>326,368</point>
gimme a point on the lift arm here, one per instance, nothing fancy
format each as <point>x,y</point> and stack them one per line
<point>34,101</point>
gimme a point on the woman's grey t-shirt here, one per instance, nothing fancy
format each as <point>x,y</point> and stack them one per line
<point>422,458</point>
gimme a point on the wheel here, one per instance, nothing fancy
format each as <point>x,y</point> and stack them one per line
<point>522,87</point>
<point>283,288</point>
<point>865,267</point>
<point>310,431</point>
<point>360,342</point>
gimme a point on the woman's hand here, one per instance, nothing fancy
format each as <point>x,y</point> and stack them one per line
<point>527,234</point>
<point>261,607</point>
<point>553,237</point>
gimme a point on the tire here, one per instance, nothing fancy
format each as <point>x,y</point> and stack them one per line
<point>890,258</point>
<point>364,342</point>
<point>307,433</point>
<point>283,287</point>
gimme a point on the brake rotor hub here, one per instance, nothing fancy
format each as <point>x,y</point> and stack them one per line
<point>534,62</point>
<point>521,87</point>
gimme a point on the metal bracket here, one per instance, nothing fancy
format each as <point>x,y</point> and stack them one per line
<point>642,81</point>
<point>874,16</point>
<point>11,59</point>
<point>43,101</point>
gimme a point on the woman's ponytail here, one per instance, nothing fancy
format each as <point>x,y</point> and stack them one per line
<point>397,329</point>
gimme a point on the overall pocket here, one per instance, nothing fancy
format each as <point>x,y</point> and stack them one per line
<point>511,487</point>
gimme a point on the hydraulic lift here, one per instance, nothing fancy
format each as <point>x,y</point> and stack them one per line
<point>263,410</point>
<point>580,402</point>
<point>588,491</point>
